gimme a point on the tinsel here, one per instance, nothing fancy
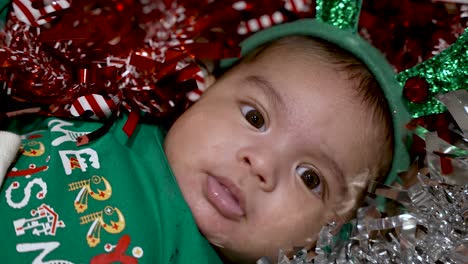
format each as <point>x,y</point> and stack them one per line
<point>93,58</point>
<point>409,32</point>
<point>428,223</point>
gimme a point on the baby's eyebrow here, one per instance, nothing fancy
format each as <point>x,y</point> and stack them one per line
<point>267,87</point>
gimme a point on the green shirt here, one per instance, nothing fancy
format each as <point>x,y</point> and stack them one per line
<point>113,200</point>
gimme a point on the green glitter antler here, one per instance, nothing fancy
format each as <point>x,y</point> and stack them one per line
<point>448,71</point>
<point>343,14</point>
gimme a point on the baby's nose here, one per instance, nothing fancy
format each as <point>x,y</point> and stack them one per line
<point>261,168</point>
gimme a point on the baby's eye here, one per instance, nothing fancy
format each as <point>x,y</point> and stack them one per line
<point>310,178</point>
<point>253,116</point>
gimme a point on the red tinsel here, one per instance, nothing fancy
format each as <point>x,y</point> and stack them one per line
<point>91,58</point>
<point>409,32</point>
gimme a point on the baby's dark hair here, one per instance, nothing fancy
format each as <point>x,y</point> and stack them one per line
<point>367,91</point>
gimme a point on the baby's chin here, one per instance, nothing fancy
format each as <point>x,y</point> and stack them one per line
<point>230,251</point>
<point>232,256</point>
<point>245,251</point>
<point>249,251</point>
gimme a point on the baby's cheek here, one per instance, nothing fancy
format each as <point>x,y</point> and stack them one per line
<point>301,224</point>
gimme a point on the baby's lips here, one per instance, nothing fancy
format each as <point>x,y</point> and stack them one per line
<point>225,197</point>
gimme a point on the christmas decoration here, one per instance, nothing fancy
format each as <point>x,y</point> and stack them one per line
<point>410,32</point>
<point>97,58</point>
<point>416,89</point>
<point>92,59</point>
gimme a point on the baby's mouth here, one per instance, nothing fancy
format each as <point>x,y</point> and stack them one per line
<point>225,197</point>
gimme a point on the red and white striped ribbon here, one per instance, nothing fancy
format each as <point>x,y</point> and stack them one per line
<point>262,22</point>
<point>26,13</point>
<point>200,77</point>
<point>268,20</point>
<point>298,6</point>
<point>96,103</point>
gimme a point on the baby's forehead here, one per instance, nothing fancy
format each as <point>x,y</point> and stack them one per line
<point>283,54</point>
<point>296,47</point>
<point>308,63</point>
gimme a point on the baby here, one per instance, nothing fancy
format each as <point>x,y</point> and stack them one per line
<point>284,142</point>
<point>280,145</point>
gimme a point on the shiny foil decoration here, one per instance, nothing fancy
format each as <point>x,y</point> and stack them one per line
<point>416,89</point>
<point>107,56</point>
<point>409,32</point>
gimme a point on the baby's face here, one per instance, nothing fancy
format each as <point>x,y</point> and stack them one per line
<point>267,154</point>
